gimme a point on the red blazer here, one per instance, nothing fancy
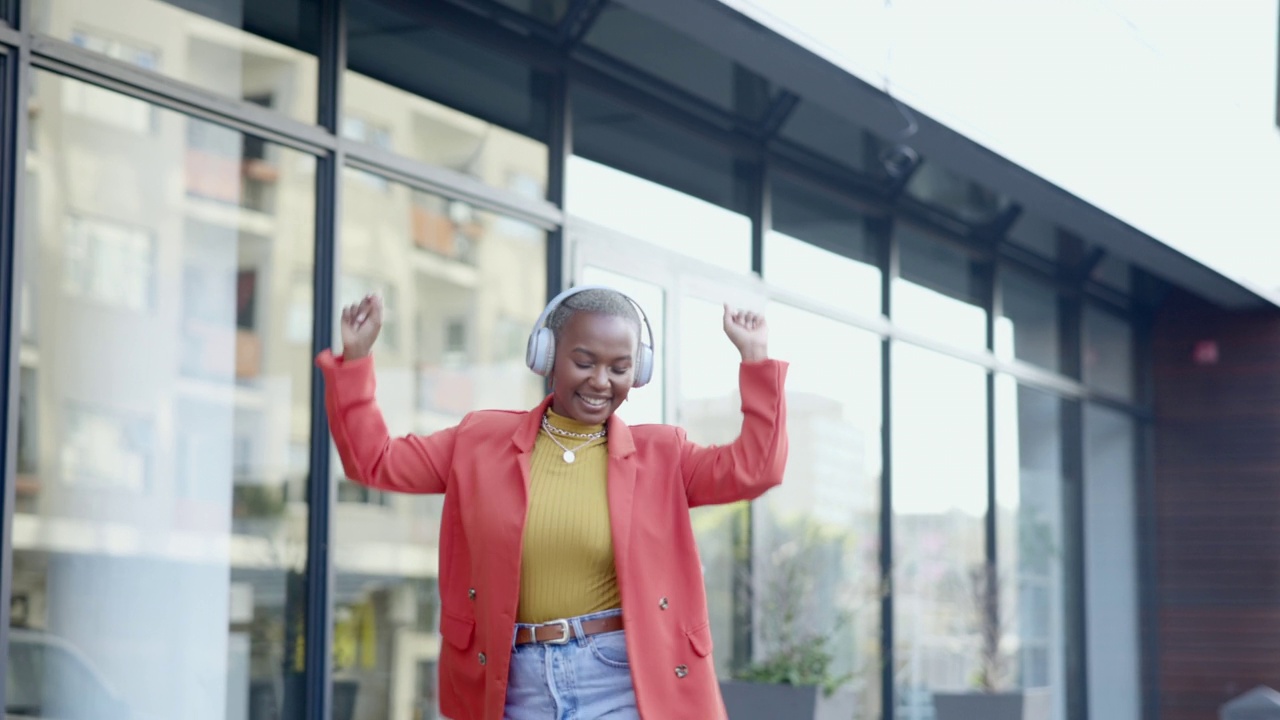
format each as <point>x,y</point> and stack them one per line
<point>655,476</point>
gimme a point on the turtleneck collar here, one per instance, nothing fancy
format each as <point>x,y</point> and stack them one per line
<point>569,424</point>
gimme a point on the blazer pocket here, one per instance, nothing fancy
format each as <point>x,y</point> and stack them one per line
<point>456,630</point>
<point>700,640</point>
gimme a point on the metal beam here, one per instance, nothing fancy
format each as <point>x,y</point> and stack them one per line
<point>14,90</point>
<point>67,59</point>
<point>498,14</point>
<point>741,32</point>
<point>450,183</point>
<point>888,664</point>
<point>577,22</point>
<point>776,115</point>
<point>317,701</point>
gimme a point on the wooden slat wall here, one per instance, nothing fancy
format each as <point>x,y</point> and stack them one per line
<point>1217,505</point>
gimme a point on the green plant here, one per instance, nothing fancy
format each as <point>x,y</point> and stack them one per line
<point>807,662</point>
<point>796,654</point>
<point>984,582</point>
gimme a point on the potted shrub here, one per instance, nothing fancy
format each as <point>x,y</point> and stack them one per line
<point>795,678</point>
<point>991,698</point>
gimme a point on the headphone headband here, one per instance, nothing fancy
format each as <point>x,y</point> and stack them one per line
<point>541,342</point>
<point>570,292</point>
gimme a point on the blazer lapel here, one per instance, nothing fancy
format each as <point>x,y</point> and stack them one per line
<point>622,485</point>
<point>523,440</point>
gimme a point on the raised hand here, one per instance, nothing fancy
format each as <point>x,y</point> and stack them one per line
<point>748,332</point>
<point>361,324</point>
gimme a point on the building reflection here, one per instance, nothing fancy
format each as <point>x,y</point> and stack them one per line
<point>160,532</point>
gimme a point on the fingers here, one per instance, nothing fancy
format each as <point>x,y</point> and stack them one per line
<point>743,318</point>
<point>357,314</point>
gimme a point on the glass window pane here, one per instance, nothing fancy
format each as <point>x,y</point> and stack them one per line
<point>264,53</point>
<point>939,510</point>
<point>160,527</point>
<point>1108,353</point>
<point>709,410</point>
<point>653,181</point>
<point>1031,327</point>
<point>658,214</point>
<point>941,291</point>
<point>1111,565</point>
<point>817,556</point>
<point>462,288</point>
<point>1029,531</point>
<point>418,90</point>
<point>818,246</point>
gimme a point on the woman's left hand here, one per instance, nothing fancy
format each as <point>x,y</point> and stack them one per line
<point>748,332</point>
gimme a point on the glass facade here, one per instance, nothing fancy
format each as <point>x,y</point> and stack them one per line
<point>182,259</point>
<point>939,505</point>
<point>817,540</point>
<point>258,53</point>
<point>459,304</point>
<point>159,528</point>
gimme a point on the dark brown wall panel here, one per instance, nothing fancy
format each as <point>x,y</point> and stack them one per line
<point>1216,505</point>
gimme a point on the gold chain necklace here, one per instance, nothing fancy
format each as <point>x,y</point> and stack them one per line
<point>569,454</point>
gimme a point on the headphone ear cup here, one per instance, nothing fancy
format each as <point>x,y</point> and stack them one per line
<point>542,350</point>
<point>644,366</point>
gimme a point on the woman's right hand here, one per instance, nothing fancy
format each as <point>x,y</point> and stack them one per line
<point>361,324</point>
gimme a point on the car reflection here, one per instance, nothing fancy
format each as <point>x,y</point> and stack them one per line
<point>47,678</point>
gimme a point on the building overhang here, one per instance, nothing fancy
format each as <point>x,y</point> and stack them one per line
<point>731,28</point>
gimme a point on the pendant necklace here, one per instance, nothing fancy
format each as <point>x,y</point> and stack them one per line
<point>569,454</point>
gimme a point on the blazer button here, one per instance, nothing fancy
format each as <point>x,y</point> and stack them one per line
<point>682,670</point>
<point>483,660</point>
<point>471,593</point>
<point>662,604</point>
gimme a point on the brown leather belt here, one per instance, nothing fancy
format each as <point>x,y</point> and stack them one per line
<point>559,632</point>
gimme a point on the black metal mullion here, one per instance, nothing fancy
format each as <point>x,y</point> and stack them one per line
<point>13,129</point>
<point>1146,521</point>
<point>1073,561</point>
<point>995,308</point>
<point>559,150</point>
<point>19,12</point>
<point>318,686</point>
<point>1071,357</point>
<point>891,271</point>
<point>761,214</point>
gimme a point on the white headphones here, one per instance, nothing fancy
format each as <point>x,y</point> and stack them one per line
<point>542,342</point>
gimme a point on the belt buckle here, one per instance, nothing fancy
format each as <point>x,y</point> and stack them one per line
<point>564,632</point>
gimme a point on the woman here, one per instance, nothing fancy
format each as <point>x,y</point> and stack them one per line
<point>570,581</point>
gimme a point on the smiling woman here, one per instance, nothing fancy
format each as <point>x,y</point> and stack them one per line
<point>597,338</point>
<point>557,495</point>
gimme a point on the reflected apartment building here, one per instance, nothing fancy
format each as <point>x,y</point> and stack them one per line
<point>986,372</point>
<point>169,300</point>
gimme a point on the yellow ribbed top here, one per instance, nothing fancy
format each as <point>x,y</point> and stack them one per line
<point>567,565</point>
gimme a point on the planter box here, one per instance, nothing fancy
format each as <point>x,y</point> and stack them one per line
<point>1032,704</point>
<point>758,701</point>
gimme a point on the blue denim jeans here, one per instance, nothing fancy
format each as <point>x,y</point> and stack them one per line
<point>587,678</point>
